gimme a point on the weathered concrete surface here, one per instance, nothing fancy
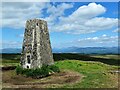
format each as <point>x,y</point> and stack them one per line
<point>36,49</point>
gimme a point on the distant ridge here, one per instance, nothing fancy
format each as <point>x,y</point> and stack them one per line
<point>11,50</point>
<point>88,50</point>
<point>85,50</point>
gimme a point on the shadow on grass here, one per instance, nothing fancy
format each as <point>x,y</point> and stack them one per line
<point>70,56</point>
<point>7,56</point>
<point>83,57</point>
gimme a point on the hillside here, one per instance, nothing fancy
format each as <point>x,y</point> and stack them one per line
<point>77,71</point>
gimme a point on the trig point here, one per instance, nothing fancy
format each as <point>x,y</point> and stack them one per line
<point>36,49</point>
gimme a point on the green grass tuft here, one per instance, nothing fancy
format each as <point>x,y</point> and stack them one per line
<point>38,72</point>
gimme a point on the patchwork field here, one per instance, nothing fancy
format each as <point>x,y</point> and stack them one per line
<point>77,71</point>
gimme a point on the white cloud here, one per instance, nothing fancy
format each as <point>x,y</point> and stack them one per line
<point>25,0</point>
<point>55,12</point>
<point>97,41</point>
<point>16,13</point>
<point>104,35</point>
<point>103,40</point>
<point>21,35</point>
<point>85,20</point>
<point>89,11</point>
<point>10,44</point>
<point>116,30</point>
<point>101,23</point>
<point>59,9</point>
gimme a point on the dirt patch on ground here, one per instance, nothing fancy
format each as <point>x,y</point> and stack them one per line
<point>5,68</point>
<point>11,80</point>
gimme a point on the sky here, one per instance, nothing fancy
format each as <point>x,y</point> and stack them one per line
<point>70,24</point>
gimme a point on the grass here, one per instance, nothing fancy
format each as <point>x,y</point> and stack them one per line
<point>38,72</point>
<point>115,57</point>
<point>10,60</point>
<point>96,73</point>
<point>94,68</point>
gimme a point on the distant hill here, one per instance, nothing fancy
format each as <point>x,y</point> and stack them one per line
<point>86,50</point>
<point>10,50</point>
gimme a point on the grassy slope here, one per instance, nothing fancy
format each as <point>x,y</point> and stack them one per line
<point>96,74</point>
<point>95,70</point>
<point>10,60</point>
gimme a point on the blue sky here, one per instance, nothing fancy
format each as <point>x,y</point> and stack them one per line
<point>79,24</point>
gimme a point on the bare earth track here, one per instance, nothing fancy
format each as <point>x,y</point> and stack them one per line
<point>11,80</point>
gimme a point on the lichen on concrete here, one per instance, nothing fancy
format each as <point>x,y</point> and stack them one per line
<point>36,49</point>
